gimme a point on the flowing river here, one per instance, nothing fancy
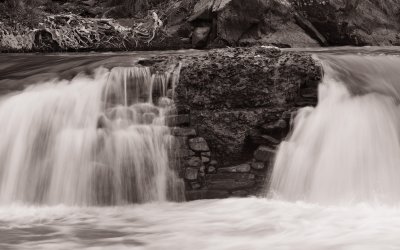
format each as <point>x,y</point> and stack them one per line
<point>335,183</point>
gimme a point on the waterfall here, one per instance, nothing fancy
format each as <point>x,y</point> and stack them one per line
<point>93,140</point>
<point>347,148</point>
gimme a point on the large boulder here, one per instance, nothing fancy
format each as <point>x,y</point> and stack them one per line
<point>250,22</point>
<point>232,92</point>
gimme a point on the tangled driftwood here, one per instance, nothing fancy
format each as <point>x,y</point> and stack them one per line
<point>73,32</point>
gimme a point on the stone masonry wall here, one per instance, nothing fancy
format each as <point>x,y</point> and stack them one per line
<point>233,108</point>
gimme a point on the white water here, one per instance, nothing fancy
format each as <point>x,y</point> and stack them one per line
<point>91,140</point>
<point>344,155</point>
<point>347,149</point>
<point>234,224</point>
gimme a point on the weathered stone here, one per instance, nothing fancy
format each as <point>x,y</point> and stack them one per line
<point>177,120</point>
<point>241,97</point>
<point>194,162</point>
<point>202,171</point>
<point>198,144</point>
<point>347,22</point>
<point>177,131</point>
<point>213,163</point>
<point>243,168</point>
<point>202,10</point>
<point>181,143</point>
<point>206,154</point>
<point>185,153</point>
<point>282,124</point>
<point>264,154</point>
<point>240,193</point>
<point>191,174</point>
<point>287,116</point>
<point>211,170</point>
<point>200,37</point>
<point>258,165</point>
<point>195,185</point>
<point>264,140</point>
<point>233,176</point>
<point>205,159</point>
<point>229,184</point>
<point>246,22</point>
<point>206,194</point>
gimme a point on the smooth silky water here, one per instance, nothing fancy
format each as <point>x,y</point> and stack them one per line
<point>86,163</point>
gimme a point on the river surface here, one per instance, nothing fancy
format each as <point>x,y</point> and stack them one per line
<point>292,218</point>
<point>248,223</point>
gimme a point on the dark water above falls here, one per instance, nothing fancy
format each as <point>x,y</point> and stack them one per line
<point>72,147</point>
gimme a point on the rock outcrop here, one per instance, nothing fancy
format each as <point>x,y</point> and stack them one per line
<point>236,105</point>
<point>251,22</point>
<point>235,94</point>
<point>359,22</point>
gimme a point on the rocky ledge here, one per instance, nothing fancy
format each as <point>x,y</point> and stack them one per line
<point>234,107</point>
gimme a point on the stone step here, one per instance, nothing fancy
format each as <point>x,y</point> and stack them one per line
<point>230,176</point>
<point>229,184</point>
<point>206,194</point>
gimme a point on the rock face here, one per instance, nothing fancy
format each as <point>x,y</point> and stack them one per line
<point>250,22</point>
<point>359,22</point>
<point>235,95</point>
<point>177,24</point>
<point>239,103</point>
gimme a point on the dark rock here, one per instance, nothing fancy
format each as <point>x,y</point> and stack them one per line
<point>198,144</point>
<point>233,176</point>
<point>185,153</point>
<point>103,122</point>
<point>211,170</point>
<point>194,162</point>
<point>177,131</point>
<point>195,185</point>
<point>191,174</point>
<point>243,168</point>
<point>205,159</point>
<point>229,184</point>
<point>258,165</point>
<point>177,120</point>
<point>202,10</point>
<point>252,22</point>
<point>264,154</point>
<point>206,154</point>
<point>235,91</point>
<point>200,37</point>
<point>366,22</point>
<point>213,163</point>
<point>240,193</point>
<point>206,194</point>
<point>259,139</point>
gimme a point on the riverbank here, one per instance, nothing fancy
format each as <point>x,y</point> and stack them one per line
<point>65,26</point>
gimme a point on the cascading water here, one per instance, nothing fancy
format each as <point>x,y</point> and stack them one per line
<point>347,149</point>
<point>89,141</point>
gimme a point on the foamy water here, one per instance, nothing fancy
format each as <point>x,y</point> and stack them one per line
<point>93,140</point>
<point>249,223</point>
<point>335,182</point>
<point>347,149</point>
